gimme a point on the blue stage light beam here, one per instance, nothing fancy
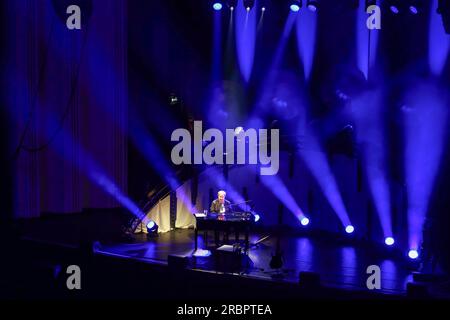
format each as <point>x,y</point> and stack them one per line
<point>312,5</point>
<point>316,161</point>
<point>425,119</point>
<point>217,48</point>
<point>281,192</point>
<point>371,137</point>
<point>265,95</point>
<point>439,42</point>
<point>245,39</point>
<point>306,39</point>
<point>366,42</point>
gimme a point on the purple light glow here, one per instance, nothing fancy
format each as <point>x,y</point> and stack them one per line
<point>389,241</point>
<point>304,221</point>
<point>362,45</point>
<point>151,224</point>
<point>280,191</point>
<point>367,116</point>
<point>425,124</point>
<point>413,254</point>
<point>217,48</point>
<point>317,163</point>
<point>306,39</point>
<point>245,39</point>
<point>137,131</point>
<point>269,82</point>
<point>294,8</point>
<point>91,169</point>
<point>394,9</point>
<point>439,42</point>
<point>201,253</point>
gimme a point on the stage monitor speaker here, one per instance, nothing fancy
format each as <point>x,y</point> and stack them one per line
<point>427,277</point>
<point>230,258</point>
<point>416,290</point>
<point>177,262</point>
<point>309,279</point>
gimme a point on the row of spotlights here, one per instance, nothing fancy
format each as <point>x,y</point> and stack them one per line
<point>412,9</point>
<point>389,241</point>
<point>295,6</point>
<point>312,6</point>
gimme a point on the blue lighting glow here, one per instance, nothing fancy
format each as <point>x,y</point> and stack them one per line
<point>294,7</point>
<point>349,229</point>
<point>413,9</point>
<point>394,9</point>
<point>413,254</point>
<point>389,241</point>
<point>257,217</point>
<point>152,227</point>
<point>312,5</point>
<point>217,6</point>
<point>202,253</point>
<point>304,221</point>
<point>312,8</point>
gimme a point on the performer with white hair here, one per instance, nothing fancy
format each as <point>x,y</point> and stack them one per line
<point>220,205</point>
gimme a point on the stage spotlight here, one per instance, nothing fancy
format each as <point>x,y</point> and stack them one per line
<point>349,229</point>
<point>389,241</point>
<point>217,6</point>
<point>232,4</point>
<point>257,217</point>
<point>312,5</point>
<point>415,6</point>
<point>394,7</point>
<point>295,6</point>
<point>202,253</point>
<point>248,4</point>
<point>263,4</point>
<point>152,228</point>
<point>238,131</point>
<point>413,254</point>
<point>304,221</point>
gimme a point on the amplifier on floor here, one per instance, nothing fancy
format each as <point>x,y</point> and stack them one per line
<point>230,258</point>
<point>177,262</point>
<point>416,290</point>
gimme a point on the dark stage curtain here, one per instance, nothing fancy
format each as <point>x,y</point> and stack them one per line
<point>66,105</point>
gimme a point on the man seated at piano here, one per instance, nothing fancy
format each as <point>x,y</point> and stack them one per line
<point>220,205</point>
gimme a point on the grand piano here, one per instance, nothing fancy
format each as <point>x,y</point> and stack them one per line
<point>234,222</point>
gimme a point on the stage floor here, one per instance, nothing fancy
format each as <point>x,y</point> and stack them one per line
<point>340,265</point>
